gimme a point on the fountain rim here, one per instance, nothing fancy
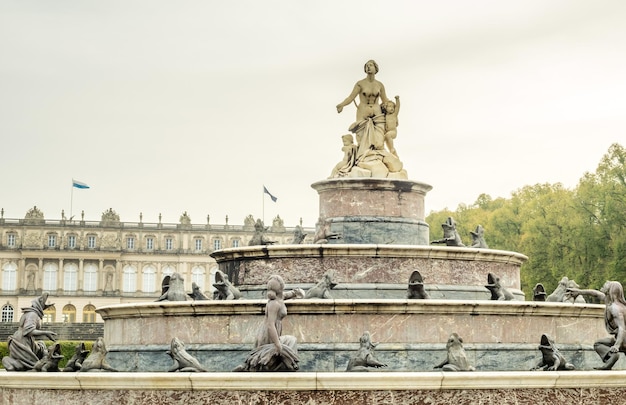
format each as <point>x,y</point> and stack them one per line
<point>351,306</point>
<point>367,250</point>
<point>370,183</point>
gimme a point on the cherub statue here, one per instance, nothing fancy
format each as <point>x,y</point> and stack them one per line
<point>391,111</point>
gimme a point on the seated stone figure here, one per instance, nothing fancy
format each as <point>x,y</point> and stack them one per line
<point>24,350</point>
<point>274,351</point>
<point>609,348</point>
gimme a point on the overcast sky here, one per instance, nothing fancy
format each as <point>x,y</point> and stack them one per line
<point>172,106</point>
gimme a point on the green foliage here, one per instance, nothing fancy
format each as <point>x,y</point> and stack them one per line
<point>68,348</point>
<point>578,233</point>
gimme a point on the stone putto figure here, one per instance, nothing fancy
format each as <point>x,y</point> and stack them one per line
<point>274,351</point>
<point>551,357</point>
<point>24,350</point>
<point>364,359</point>
<point>609,348</point>
<point>370,128</point>
<point>456,359</point>
<point>450,235</point>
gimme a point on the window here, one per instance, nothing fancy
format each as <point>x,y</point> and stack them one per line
<point>70,276</point>
<point>50,276</point>
<point>71,241</point>
<point>11,240</point>
<point>130,279</point>
<point>90,274</point>
<point>50,315</point>
<point>9,274</point>
<point>7,313</point>
<point>168,271</point>
<point>169,243</point>
<point>197,276</point>
<point>130,242</point>
<point>52,241</point>
<point>235,242</point>
<point>198,243</point>
<point>89,313</point>
<point>149,279</point>
<point>149,243</point>
<point>217,244</point>
<point>69,313</point>
<point>91,242</point>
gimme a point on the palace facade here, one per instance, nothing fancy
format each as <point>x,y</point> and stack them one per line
<point>87,264</point>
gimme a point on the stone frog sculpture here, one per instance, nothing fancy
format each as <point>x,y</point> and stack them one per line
<point>498,292</point>
<point>551,358</point>
<point>450,235</point>
<point>183,361</point>
<point>322,288</point>
<point>173,288</point>
<point>539,292</point>
<point>456,359</point>
<point>364,359</point>
<point>196,293</point>
<point>224,289</point>
<point>50,362</point>
<point>96,361</point>
<point>478,238</point>
<point>416,289</point>
<point>259,237</point>
<point>76,361</point>
<point>560,292</point>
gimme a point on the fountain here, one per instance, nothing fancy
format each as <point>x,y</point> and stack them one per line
<point>372,238</point>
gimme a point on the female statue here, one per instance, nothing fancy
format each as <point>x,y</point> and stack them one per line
<point>273,352</point>
<point>609,348</point>
<point>24,350</point>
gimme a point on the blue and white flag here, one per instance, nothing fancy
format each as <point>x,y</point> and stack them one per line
<point>79,184</point>
<point>270,194</point>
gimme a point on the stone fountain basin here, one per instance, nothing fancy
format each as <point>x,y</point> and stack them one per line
<point>498,335</point>
<point>373,271</point>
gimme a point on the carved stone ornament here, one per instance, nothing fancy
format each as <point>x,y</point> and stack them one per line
<point>34,216</point>
<point>109,217</point>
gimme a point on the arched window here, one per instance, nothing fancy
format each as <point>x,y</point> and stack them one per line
<point>89,313</point>
<point>90,277</point>
<point>69,313</point>
<point>130,279</point>
<point>50,276</point>
<point>168,271</point>
<point>9,274</point>
<point>197,276</point>
<point>70,276</point>
<point>149,278</point>
<point>7,313</point>
<point>50,315</point>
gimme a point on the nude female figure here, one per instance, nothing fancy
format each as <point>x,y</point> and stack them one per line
<point>369,91</point>
<point>609,348</point>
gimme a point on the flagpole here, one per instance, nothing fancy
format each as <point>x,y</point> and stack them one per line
<point>263,205</point>
<point>72,199</point>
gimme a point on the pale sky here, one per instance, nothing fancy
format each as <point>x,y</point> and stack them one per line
<point>172,106</point>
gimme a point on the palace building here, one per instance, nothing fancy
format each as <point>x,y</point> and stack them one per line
<point>87,264</point>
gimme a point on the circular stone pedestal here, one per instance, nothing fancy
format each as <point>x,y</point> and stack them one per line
<point>373,211</point>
